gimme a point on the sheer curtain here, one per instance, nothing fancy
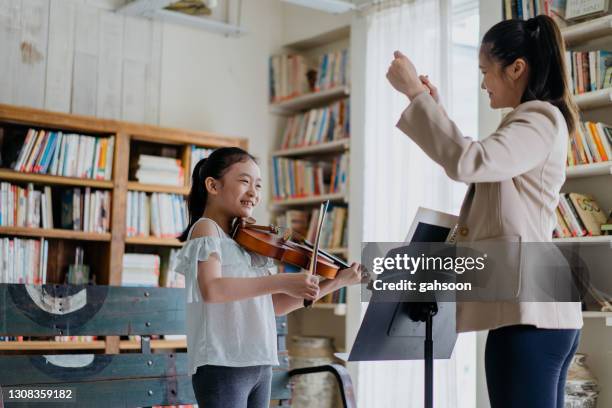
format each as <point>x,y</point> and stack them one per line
<point>399,178</point>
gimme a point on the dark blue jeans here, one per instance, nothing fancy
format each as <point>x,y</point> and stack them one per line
<point>526,367</point>
<point>236,387</point>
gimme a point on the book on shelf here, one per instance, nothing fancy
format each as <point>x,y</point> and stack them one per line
<point>79,339</point>
<point>578,215</point>
<point>158,214</point>
<point>304,222</point>
<point>140,270</point>
<point>86,210</point>
<point>23,260</point>
<point>66,154</point>
<point>303,178</point>
<point>80,209</point>
<point>525,9</point>
<point>591,143</point>
<point>589,70</point>
<point>197,154</point>
<point>293,75</point>
<point>316,126</point>
<point>166,171</point>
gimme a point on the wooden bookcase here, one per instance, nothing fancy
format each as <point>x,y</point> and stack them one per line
<point>323,319</point>
<point>594,179</point>
<point>104,250</point>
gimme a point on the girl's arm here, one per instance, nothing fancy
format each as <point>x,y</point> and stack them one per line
<point>214,288</point>
<point>284,304</point>
<point>217,289</point>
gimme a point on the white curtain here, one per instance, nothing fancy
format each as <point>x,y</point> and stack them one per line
<point>399,178</point>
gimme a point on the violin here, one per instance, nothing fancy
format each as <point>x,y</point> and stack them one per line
<point>267,241</point>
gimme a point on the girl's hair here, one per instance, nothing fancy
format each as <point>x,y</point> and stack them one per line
<point>215,166</point>
<point>538,41</point>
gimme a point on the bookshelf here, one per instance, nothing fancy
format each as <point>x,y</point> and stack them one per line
<point>594,179</point>
<point>325,318</point>
<point>103,251</point>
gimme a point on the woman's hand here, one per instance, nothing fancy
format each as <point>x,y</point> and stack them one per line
<point>300,285</point>
<point>402,75</point>
<point>433,91</point>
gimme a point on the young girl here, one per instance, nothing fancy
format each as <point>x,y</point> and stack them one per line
<point>515,176</point>
<point>231,296</point>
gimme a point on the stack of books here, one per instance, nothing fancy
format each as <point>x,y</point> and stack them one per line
<point>140,270</point>
<point>68,155</point>
<point>303,178</point>
<point>160,170</point>
<point>590,70</point>
<point>591,143</point>
<point>317,126</point>
<point>23,260</point>
<point>578,215</point>
<point>159,214</point>
<point>25,207</point>
<point>86,210</point>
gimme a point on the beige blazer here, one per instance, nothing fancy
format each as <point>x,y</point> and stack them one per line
<point>514,177</point>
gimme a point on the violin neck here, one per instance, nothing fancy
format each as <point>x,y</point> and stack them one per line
<point>336,260</point>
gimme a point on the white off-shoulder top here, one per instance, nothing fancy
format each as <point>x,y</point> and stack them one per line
<point>233,334</point>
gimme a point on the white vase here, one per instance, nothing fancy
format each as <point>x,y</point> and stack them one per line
<point>581,388</point>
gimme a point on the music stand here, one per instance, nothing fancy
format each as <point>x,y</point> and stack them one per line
<point>407,331</point>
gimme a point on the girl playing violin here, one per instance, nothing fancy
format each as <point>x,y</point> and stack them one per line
<point>231,295</point>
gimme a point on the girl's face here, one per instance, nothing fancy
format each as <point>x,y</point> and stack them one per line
<point>505,86</point>
<point>239,190</point>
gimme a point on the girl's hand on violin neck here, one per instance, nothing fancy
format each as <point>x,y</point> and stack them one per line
<point>350,276</point>
<point>301,285</point>
<point>402,75</point>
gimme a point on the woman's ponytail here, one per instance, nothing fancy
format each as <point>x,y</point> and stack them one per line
<point>538,41</point>
<point>215,166</point>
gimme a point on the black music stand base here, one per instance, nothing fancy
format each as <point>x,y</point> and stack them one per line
<point>424,312</point>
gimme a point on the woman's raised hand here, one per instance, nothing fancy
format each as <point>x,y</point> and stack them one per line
<point>433,91</point>
<point>402,75</point>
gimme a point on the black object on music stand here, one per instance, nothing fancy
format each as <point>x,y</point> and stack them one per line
<point>407,331</point>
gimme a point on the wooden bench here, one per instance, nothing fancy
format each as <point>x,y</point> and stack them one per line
<point>139,379</point>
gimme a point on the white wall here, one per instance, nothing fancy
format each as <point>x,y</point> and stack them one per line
<point>218,84</point>
<point>299,23</point>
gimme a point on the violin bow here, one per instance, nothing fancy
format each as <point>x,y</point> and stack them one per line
<point>315,250</point>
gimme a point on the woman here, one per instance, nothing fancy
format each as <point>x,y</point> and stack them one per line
<point>515,176</point>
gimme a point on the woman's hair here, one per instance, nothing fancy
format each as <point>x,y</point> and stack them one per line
<point>538,41</point>
<point>215,166</point>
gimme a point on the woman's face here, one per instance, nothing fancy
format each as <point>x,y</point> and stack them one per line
<point>505,86</point>
<point>239,190</point>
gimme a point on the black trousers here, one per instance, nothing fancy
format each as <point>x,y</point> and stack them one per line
<point>526,367</point>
